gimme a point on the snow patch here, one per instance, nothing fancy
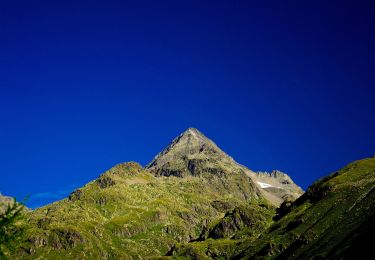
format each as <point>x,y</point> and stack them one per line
<point>266,185</point>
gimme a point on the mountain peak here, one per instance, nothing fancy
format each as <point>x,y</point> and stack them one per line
<point>195,133</point>
<point>191,130</point>
<point>190,148</point>
<point>193,154</point>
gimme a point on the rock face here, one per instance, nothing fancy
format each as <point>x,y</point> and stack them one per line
<point>193,154</point>
<point>237,219</point>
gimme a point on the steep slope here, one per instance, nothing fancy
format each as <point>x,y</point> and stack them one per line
<point>192,154</point>
<point>132,212</point>
<point>333,219</point>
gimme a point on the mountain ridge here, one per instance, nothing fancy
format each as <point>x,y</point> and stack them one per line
<point>133,212</point>
<point>190,191</point>
<point>217,209</point>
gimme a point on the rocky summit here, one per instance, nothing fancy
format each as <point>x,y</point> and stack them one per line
<point>193,154</point>
<point>194,201</point>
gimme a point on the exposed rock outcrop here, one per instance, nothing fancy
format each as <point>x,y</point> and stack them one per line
<point>277,186</point>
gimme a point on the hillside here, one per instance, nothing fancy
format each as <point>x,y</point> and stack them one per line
<point>183,195</point>
<point>194,201</point>
<point>334,219</point>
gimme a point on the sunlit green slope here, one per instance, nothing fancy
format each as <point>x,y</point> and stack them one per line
<point>334,219</point>
<point>127,212</point>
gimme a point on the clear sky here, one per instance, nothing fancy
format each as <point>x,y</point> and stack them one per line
<point>85,85</point>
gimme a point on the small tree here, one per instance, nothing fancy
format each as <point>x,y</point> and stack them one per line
<point>10,231</point>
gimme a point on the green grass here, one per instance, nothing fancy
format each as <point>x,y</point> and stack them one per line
<point>133,214</point>
<point>136,215</point>
<point>329,212</point>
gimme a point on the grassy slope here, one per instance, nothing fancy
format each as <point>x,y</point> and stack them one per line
<point>128,212</point>
<point>331,217</point>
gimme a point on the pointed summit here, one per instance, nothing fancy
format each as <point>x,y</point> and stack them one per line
<point>194,133</point>
<point>191,153</point>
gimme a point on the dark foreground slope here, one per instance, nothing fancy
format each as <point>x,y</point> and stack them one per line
<point>334,219</point>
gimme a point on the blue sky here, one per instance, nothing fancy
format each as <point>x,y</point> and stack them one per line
<point>85,85</point>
